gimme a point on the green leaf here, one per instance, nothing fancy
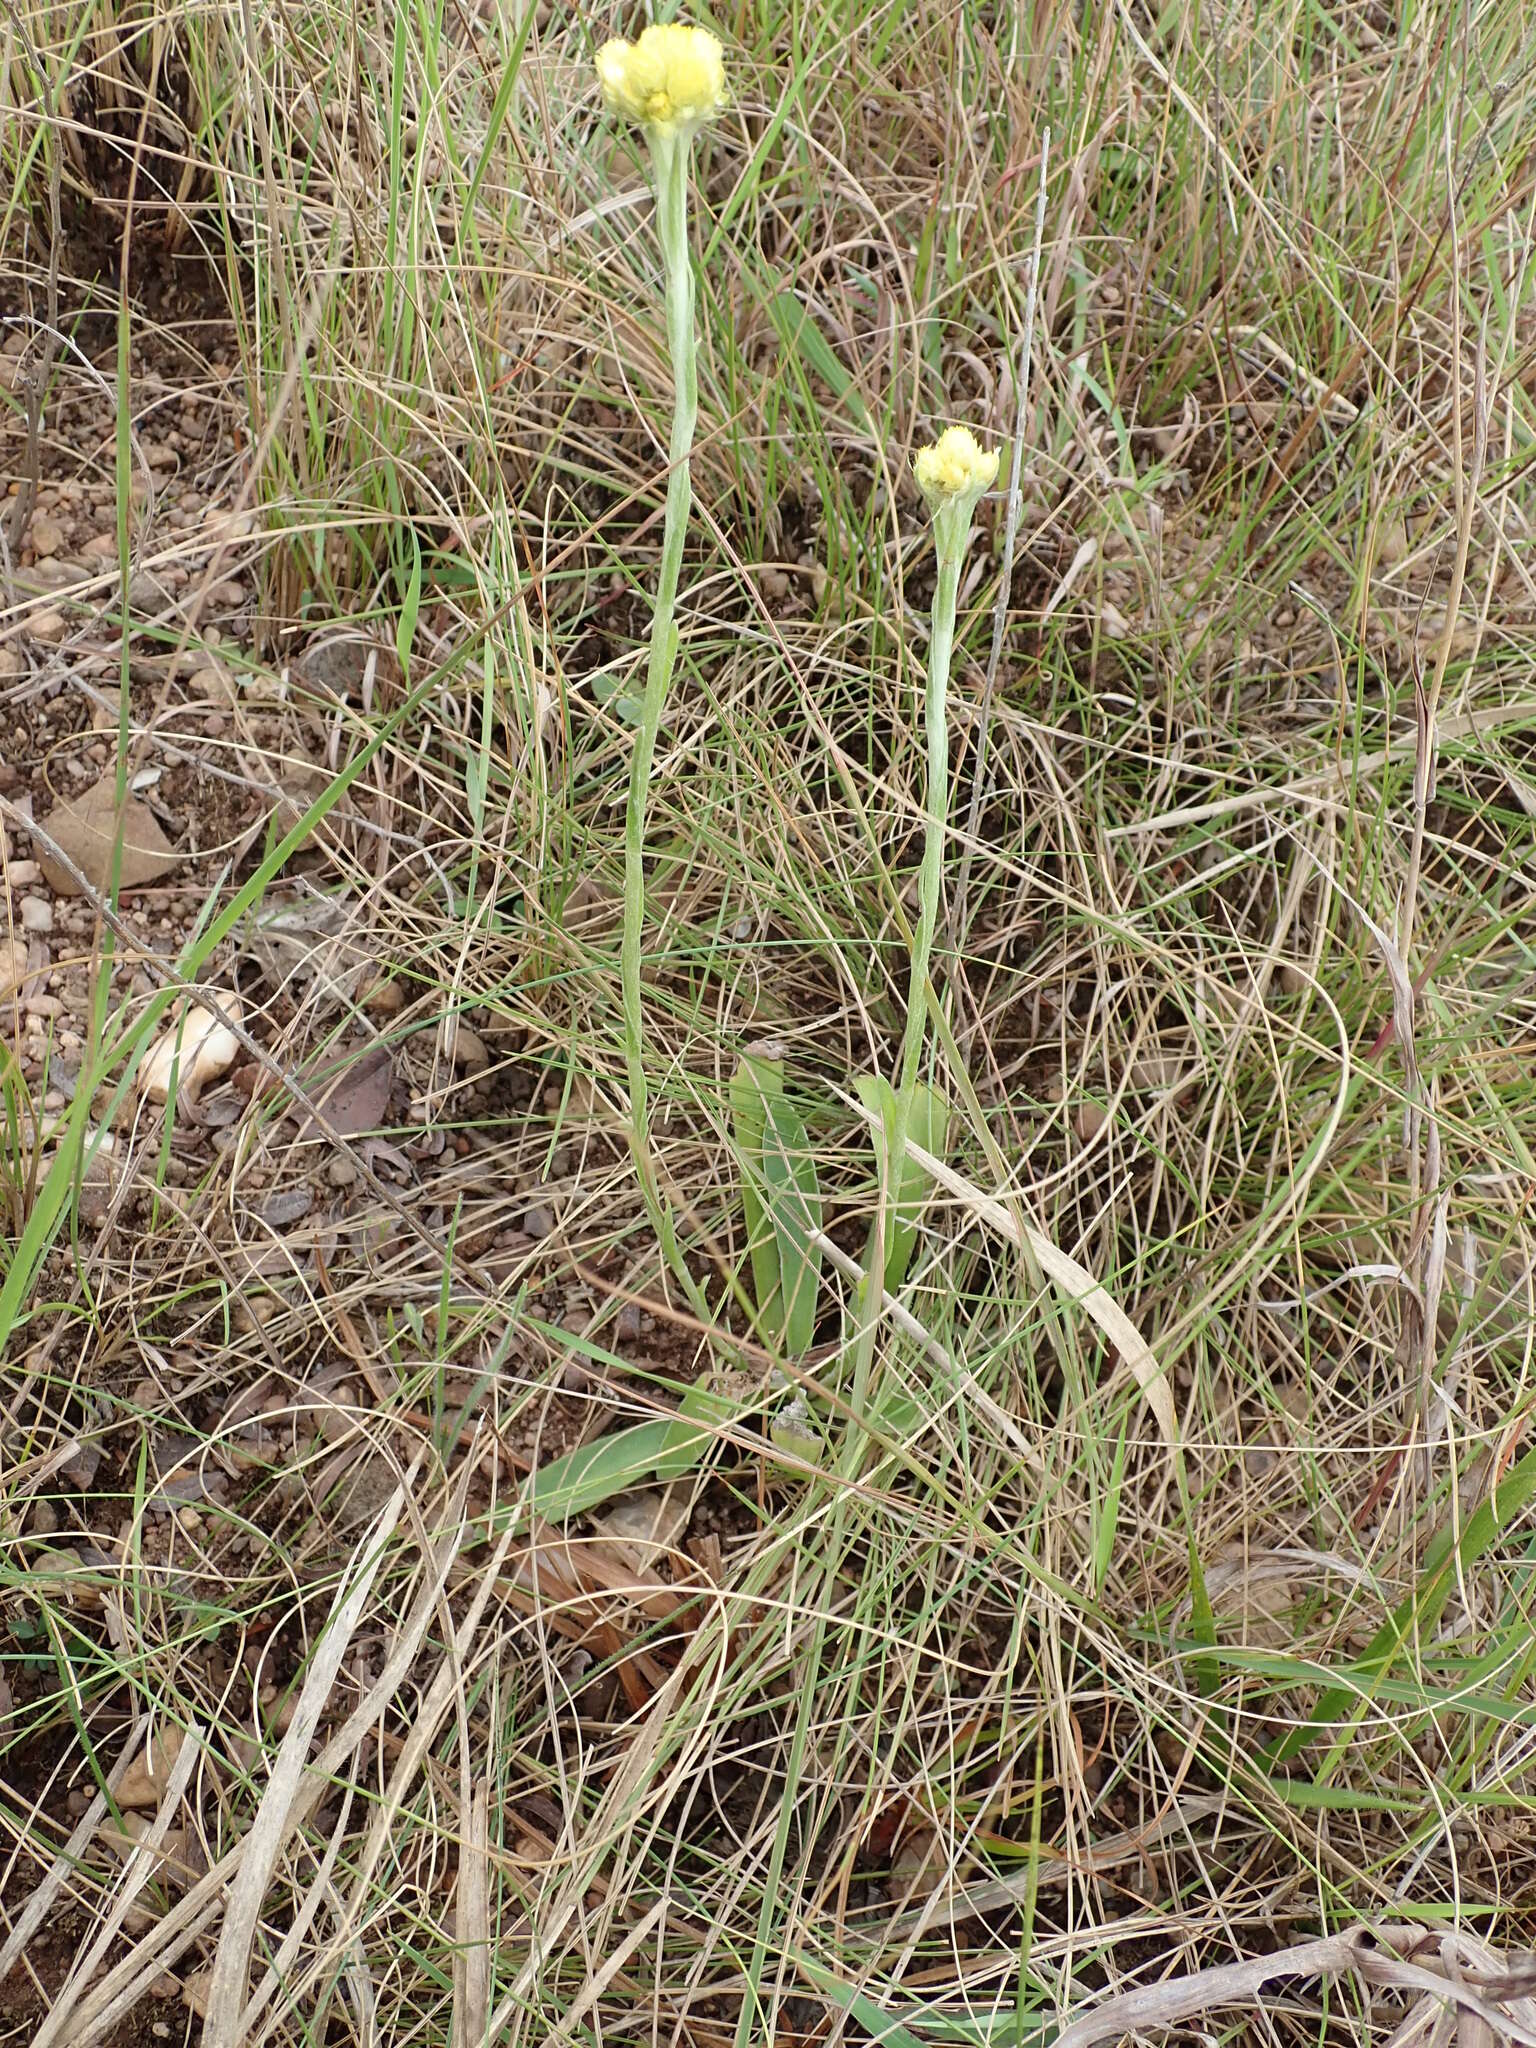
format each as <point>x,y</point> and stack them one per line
<point>801,336</point>
<point>405,625</point>
<point>928,1128</point>
<point>584,1478</point>
<point>1449,1556</point>
<point>794,1206</point>
<point>758,1079</point>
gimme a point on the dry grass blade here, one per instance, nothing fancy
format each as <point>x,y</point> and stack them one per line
<point>59,2030</point>
<point>320,1892</point>
<point>172,1935</point>
<point>62,1870</point>
<point>229,1988</point>
<point>472,1925</point>
<point>1462,1975</point>
<point>1076,1283</point>
<point>604,1836</point>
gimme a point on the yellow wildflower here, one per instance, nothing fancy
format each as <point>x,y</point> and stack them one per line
<point>956,466</point>
<point>671,79</point>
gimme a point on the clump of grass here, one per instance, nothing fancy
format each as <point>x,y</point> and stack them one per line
<point>952,1773</point>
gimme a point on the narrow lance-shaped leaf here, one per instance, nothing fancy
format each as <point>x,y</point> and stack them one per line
<point>929,1130</point>
<point>794,1205</point>
<point>759,1079</point>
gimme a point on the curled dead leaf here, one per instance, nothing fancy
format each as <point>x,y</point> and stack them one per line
<point>352,1092</point>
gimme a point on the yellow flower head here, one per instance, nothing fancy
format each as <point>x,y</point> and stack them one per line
<point>671,79</point>
<point>956,466</point>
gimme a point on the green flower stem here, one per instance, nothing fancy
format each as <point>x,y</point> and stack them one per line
<point>931,881</point>
<point>670,157</point>
<point>952,531</point>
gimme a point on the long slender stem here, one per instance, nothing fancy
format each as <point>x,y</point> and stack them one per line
<point>952,526</point>
<point>670,155</point>
<point>931,881</point>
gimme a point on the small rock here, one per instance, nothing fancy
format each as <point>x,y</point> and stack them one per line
<point>538,1221</point>
<point>36,914</point>
<point>82,1465</point>
<point>13,966</point>
<point>101,547</point>
<point>47,626</point>
<point>44,1006</point>
<point>384,996</point>
<point>1088,1119</point>
<point>466,1048</point>
<point>144,1781</point>
<point>197,1048</point>
<point>340,1172</point>
<point>47,536</point>
<point>177,1857</point>
<point>52,574</point>
<point>280,1211</point>
<point>214,683</point>
<point>21,874</point>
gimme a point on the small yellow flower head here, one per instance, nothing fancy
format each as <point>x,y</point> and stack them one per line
<point>671,79</point>
<point>956,466</point>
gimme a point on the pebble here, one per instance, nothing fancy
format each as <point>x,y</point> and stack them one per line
<point>44,1006</point>
<point>36,914</point>
<point>468,1049</point>
<point>47,626</point>
<point>47,536</point>
<point>212,682</point>
<point>21,874</point>
<point>1088,1119</point>
<point>52,574</point>
<point>340,1172</point>
<point>538,1221</point>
